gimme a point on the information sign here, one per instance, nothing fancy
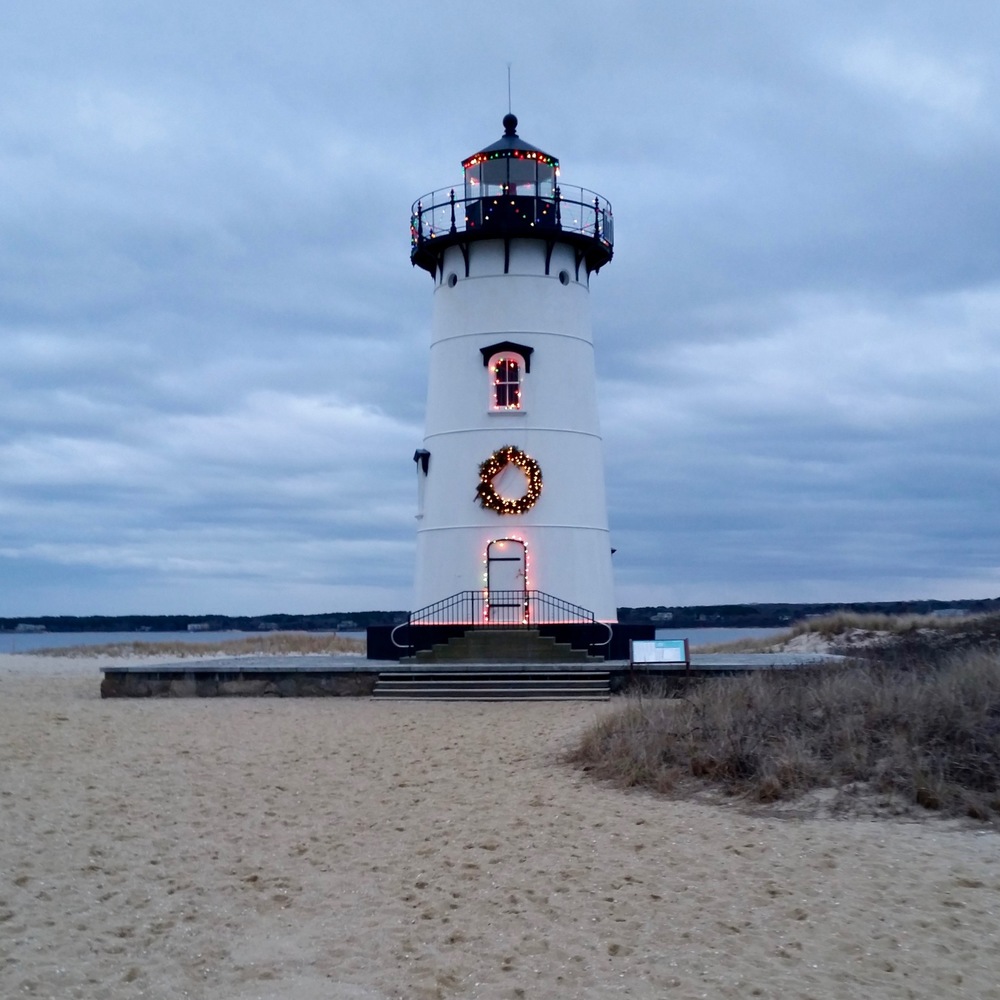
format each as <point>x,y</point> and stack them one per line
<point>660,651</point>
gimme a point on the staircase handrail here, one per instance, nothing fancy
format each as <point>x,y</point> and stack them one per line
<point>392,635</point>
<point>457,608</point>
<point>521,609</point>
<point>611,632</point>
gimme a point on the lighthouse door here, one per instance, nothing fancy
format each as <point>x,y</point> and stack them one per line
<point>506,581</point>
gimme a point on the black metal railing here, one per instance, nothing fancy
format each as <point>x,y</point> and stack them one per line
<point>570,210</point>
<point>498,609</point>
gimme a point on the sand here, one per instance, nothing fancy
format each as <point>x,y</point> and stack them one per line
<point>328,848</point>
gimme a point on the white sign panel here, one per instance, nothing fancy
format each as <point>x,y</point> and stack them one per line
<point>660,651</point>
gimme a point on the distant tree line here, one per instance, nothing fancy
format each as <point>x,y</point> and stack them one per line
<point>783,615</point>
<point>333,622</point>
<point>695,616</point>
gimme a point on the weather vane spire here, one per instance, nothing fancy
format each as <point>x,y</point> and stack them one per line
<point>509,111</point>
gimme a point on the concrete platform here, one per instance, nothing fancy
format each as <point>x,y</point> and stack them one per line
<point>356,676</point>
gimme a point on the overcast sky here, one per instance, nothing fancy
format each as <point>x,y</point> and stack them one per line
<point>213,347</point>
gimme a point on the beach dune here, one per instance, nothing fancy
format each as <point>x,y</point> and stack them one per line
<point>341,848</point>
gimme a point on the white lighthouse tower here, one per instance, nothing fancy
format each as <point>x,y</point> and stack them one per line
<point>512,518</point>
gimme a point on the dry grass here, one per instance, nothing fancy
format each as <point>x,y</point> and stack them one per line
<point>268,644</point>
<point>921,727</point>
<point>844,624</point>
<point>766,644</point>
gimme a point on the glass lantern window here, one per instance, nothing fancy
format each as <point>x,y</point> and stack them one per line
<point>546,180</point>
<point>522,177</point>
<point>494,177</point>
<point>473,182</point>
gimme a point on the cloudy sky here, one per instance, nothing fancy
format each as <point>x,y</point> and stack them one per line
<point>213,347</point>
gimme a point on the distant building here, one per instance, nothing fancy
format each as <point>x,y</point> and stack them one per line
<point>950,613</point>
<point>199,627</point>
<point>28,627</point>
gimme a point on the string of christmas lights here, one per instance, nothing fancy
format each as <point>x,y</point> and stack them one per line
<point>506,385</point>
<point>487,603</point>
<point>486,560</point>
<point>511,154</point>
<point>486,492</point>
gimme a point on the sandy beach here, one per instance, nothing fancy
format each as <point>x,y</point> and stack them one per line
<point>312,849</point>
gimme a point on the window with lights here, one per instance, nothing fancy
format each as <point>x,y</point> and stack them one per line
<point>506,387</point>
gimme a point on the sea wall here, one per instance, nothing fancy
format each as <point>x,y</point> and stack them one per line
<point>185,683</point>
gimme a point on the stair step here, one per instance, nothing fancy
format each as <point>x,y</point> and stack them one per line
<point>557,675</point>
<point>509,645</point>
<point>531,688</point>
<point>416,691</point>
<point>524,675</point>
<point>405,696</point>
<point>488,685</point>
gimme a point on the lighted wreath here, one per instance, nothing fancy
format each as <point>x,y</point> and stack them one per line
<point>487,493</point>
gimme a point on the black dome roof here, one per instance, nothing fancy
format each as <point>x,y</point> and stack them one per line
<point>509,142</point>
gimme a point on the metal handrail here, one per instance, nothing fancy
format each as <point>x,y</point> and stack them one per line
<point>570,209</point>
<point>474,609</point>
<point>392,635</point>
<point>611,632</point>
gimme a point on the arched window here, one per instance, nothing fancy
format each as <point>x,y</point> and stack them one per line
<point>507,363</point>
<point>506,371</point>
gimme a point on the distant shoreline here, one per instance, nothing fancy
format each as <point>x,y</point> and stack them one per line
<point>185,644</point>
<point>680,617</point>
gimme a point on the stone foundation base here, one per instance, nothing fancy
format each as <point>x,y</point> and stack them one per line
<point>134,683</point>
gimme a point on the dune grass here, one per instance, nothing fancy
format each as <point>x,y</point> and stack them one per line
<point>917,724</point>
<point>266,644</point>
<point>844,625</point>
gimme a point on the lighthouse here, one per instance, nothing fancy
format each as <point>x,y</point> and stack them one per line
<point>512,524</point>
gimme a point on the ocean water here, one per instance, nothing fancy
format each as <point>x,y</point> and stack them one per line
<point>711,636</point>
<point>27,642</point>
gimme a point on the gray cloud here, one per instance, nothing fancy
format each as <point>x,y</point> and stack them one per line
<point>214,348</point>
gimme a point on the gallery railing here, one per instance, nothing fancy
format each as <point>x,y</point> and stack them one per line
<point>569,209</point>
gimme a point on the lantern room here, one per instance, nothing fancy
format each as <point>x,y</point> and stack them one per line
<point>511,189</point>
<point>511,167</point>
<point>510,185</point>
